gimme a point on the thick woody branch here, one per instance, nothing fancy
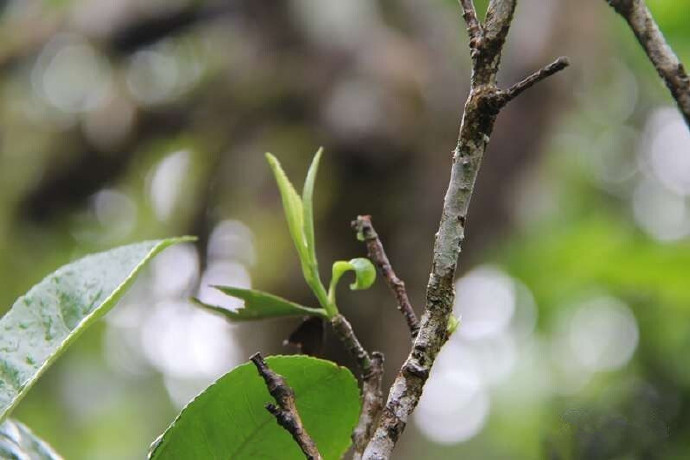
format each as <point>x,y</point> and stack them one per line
<point>487,56</point>
<point>483,104</point>
<point>286,411</point>
<point>667,64</point>
<point>372,404</point>
<point>371,371</point>
<point>545,72</point>
<point>365,231</point>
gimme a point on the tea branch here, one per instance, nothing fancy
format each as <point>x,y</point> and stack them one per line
<point>286,411</point>
<point>365,231</point>
<point>371,372</point>
<point>667,64</point>
<point>481,108</point>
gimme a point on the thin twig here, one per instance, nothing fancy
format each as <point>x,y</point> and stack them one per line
<point>343,329</point>
<point>365,231</point>
<point>545,72</point>
<point>483,104</point>
<point>474,27</point>
<point>667,64</point>
<point>371,372</point>
<point>286,412</point>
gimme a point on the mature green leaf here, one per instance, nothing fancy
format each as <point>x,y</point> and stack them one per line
<point>46,320</point>
<point>17,442</point>
<point>228,420</point>
<point>292,205</point>
<point>259,305</point>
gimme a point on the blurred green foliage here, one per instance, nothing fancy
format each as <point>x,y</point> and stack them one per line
<point>259,76</point>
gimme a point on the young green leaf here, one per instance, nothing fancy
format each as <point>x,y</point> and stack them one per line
<point>44,322</point>
<point>292,205</point>
<point>18,442</point>
<point>259,305</point>
<point>228,419</point>
<point>307,201</point>
<point>365,273</point>
<point>300,221</point>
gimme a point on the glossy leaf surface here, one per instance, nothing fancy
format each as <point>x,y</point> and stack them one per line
<point>46,320</point>
<point>229,419</point>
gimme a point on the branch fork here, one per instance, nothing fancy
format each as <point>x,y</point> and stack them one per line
<point>483,104</point>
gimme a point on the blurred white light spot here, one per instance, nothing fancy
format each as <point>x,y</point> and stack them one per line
<point>454,407</point>
<point>667,141</point>
<point>233,240</point>
<point>122,344</point>
<point>72,75</point>
<point>491,360</point>
<point>166,183</point>
<point>355,108</point>
<point>610,155</point>
<point>115,211</point>
<point>336,23</point>
<point>184,341</point>
<point>152,76</point>
<point>224,274</point>
<point>485,301</point>
<point>603,334</point>
<point>660,212</point>
<point>175,271</point>
<point>109,126</point>
<point>183,390</point>
<point>496,357</point>
<point>525,317</point>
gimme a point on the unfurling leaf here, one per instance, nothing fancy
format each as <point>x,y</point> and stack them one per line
<point>228,419</point>
<point>259,305</point>
<point>18,442</point>
<point>46,320</point>
<point>365,273</point>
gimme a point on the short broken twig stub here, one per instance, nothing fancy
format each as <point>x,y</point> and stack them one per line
<point>286,411</point>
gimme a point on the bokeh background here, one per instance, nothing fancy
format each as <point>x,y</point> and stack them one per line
<point>123,120</point>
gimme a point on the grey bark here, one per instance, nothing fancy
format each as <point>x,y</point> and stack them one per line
<point>667,64</point>
<point>481,108</point>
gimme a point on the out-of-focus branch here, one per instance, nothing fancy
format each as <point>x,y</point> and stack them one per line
<point>667,64</point>
<point>483,104</point>
<point>365,230</point>
<point>286,411</point>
